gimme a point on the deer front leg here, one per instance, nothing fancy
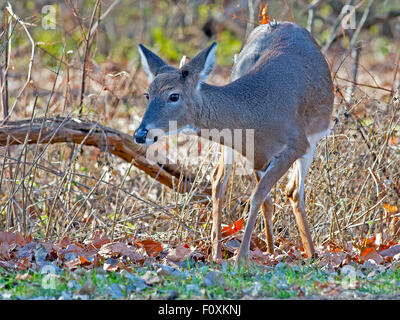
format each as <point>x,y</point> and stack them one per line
<point>219,183</point>
<point>277,168</point>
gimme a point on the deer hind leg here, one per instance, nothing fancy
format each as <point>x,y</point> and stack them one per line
<point>277,168</point>
<point>267,210</point>
<point>219,182</point>
<point>295,192</point>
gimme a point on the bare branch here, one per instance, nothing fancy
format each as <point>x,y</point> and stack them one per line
<point>104,138</point>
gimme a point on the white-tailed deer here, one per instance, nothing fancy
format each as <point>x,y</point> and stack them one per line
<point>280,86</point>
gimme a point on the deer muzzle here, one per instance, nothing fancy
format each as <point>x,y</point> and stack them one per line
<point>140,135</point>
<point>146,136</point>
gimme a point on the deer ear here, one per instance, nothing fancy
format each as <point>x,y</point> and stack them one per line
<point>152,64</point>
<point>203,63</point>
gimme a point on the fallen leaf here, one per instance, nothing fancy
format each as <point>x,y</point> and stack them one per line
<point>233,228</point>
<point>74,263</point>
<point>256,242</point>
<point>51,249</point>
<point>370,253</point>
<point>115,249</point>
<point>112,264</point>
<point>23,264</point>
<point>98,242</point>
<point>65,242</point>
<point>118,249</point>
<point>255,254</point>
<point>153,248</point>
<point>8,237</point>
<point>335,258</point>
<point>178,254</point>
<point>232,245</point>
<point>27,251</point>
<point>86,261</point>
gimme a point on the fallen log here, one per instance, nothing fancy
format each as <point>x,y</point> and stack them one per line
<point>60,129</point>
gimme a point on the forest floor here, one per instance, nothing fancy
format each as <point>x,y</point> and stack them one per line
<point>149,270</point>
<point>204,281</point>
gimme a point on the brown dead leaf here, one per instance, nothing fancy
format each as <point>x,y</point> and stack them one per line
<point>24,263</point>
<point>65,242</point>
<point>51,249</point>
<point>284,244</point>
<point>256,242</point>
<point>99,242</point>
<point>50,246</point>
<point>333,258</point>
<point>233,228</point>
<point>26,251</point>
<point>153,248</point>
<point>178,254</point>
<point>74,263</point>
<point>117,249</point>
<point>319,285</point>
<point>73,247</point>
<point>86,261</point>
<point>256,254</point>
<point>7,237</point>
<point>112,264</point>
<point>12,238</point>
<point>136,257</point>
<point>370,253</point>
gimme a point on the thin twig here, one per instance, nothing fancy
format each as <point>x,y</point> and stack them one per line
<point>336,28</point>
<point>4,74</point>
<point>85,58</point>
<point>95,25</point>
<point>312,7</point>
<point>28,78</point>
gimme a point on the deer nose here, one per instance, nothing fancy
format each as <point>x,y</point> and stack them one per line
<point>140,135</point>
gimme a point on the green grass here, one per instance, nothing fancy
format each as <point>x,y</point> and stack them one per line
<point>281,282</point>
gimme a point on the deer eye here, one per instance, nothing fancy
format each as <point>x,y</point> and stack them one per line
<point>146,95</point>
<point>174,97</point>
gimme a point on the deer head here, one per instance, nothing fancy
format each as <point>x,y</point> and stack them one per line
<point>174,94</point>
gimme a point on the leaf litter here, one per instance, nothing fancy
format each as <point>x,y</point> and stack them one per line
<point>358,261</point>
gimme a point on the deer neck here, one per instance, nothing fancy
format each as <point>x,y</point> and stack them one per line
<point>218,107</point>
<point>224,116</point>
